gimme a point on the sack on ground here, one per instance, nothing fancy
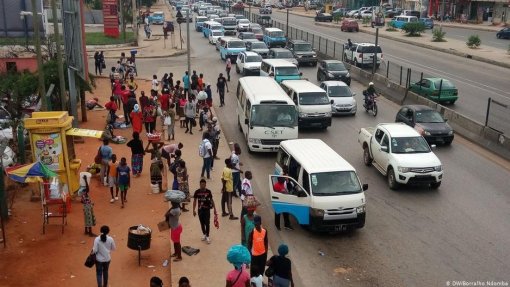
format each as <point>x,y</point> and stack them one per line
<point>175,196</point>
<point>155,188</point>
<point>251,201</point>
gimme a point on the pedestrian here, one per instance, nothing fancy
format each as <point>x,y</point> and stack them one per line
<point>123,180</point>
<point>282,267</point>
<point>124,96</point>
<point>171,81</point>
<point>112,178</point>
<point>156,172</point>
<point>97,62</point>
<point>189,112</point>
<point>88,209</point>
<point>246,191</point>
<point>111,107</point>
<point>144,100</point>
<point>185,82</point>
<point>173,168</point>
<point>283,185</point>
<point>103,246</point>
<point>131,82</point>
<point>184,282</point>
<point>103,63</point>
<point>204,198</point>
<point>201,86</point>
<point>147,29</point>
<point>154,83</point>
<point>113,77</point>
<point>182,179</point>
<point>217,132</point>
<point>221,84</point>
<point>258,245</point>
<point>247,225</point>
<point>228,67</point>
<point>170,123</point>
<point>106,154</point>
<point>208,91</point>
<point>227,190</point>
<point>131,102</point>
<point>164,99</point>
<point>117,91</point>
<point>194,81</point>
<point>164,81</point>
<point>203,117</point>
<point>149,117</point>
<point>156,282</point>
<point>236,168</point>
<point>137,153</point>
<point>180,111</point>
<point>168,151</point>
<point>205,151</point>
<point>136,119</point>
<point>172,217</point>
<point>93,103</point>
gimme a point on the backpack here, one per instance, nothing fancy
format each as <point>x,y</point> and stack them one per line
<point>202,151</point>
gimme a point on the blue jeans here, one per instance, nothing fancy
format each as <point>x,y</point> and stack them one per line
<point>280,282</point>
<point>237,182</point>
<point>206,167</point>
<point>102,273</point>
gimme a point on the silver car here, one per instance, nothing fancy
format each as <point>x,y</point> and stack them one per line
<point>282,53</point>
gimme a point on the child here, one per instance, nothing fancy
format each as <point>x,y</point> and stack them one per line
<point>88,210</point>
<point>156,171</point>
<point>112,178</point>
<point>123,179</point>
<point>204,117</point>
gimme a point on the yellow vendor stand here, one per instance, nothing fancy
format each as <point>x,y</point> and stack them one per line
<point>52,144</point>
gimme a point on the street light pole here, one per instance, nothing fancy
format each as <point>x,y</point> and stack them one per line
<point>188,48</point>
<point>374,63</point>
<point>287,25</point>
<point>60,64</point>
<point>40,72</point>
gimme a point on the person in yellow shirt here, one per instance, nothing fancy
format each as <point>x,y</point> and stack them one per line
<point>131,82</point>
<point>112,178</point>
<point>227,190</point>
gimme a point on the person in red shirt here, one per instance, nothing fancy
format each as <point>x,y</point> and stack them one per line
<point>117,91</point>
<point>164,99</point>
<point>149,117</point>
<point>201,82</point>
<point>112,107</point>
<point>124,98</point>
<point>281,186</point>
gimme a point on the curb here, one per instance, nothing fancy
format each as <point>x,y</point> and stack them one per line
<point>448,51</point>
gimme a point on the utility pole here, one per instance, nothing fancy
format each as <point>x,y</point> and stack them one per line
<point>135,19</point>
<point>287,25</point>
<point>375,52</point>
<point>60,64</point>
<point>123,20</point>
<point>37,38</point>
<point>188,49</point>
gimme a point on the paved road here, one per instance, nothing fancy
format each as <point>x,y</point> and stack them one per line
<point>413,237</point>
<point>488,38</point>
<point>475,80</point>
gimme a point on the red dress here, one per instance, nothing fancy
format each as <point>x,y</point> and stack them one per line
<point>136,121</point>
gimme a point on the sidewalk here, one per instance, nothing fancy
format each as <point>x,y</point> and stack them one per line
<point>60,257</point>
<point>156,46</point>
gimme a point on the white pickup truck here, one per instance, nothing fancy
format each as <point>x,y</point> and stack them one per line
<point>401,154</point>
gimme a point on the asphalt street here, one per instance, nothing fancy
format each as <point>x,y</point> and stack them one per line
<point>475,80</point>
<point>413,236</point>
<point>488,38</point>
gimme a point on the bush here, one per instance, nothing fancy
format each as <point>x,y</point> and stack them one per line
<point>391,27</point>
<point>474,41</point>
<point>337,18</point>
<point>438,35</point>
<point>413,29</point>
<point>366,21</point>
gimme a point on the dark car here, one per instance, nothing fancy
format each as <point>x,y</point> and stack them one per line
<point>246,36</point>
<point>393,12</point>
<point>427,22</point>
<point>303,52</point>
<point>428,122</point>
<point>503,33</point>
<point>333,70</point>
<point>323,17</point>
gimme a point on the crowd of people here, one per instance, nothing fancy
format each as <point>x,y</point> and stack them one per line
<point>188,101</point>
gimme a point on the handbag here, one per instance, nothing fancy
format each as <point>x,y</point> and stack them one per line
<point>103,65</point>
<point>91,260</point>
<point>98,158</point>
<point>167,121</point>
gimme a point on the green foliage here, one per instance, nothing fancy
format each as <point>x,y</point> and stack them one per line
<point>148,3</point>
<point>99,38</point>
<point>474,41</point>
<point>391,27</point>
<point>94,4</point>
<point>438,35</point>
<point>413,29</point>
<point>365,21</point>
<point>337,18</point>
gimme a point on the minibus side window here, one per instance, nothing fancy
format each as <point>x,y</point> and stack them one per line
<point>306,181</point>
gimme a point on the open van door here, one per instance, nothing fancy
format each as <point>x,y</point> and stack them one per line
<point>289,196</point>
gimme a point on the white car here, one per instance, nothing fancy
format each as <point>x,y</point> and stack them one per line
<point>248,63</point>
<point>243,25</point>
<point>344,102</point>
<point>214,36</point>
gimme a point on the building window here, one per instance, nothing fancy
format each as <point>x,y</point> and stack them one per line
<point>11,67</point>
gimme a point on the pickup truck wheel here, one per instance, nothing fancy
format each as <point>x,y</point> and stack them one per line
<point>366,156</point>
<point>435,185</point>
<point>392,181</point>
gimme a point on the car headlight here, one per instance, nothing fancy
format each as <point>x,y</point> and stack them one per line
<point>316,212</point>
<point>255,141</point>
<point>361,209</point>
<point>314,55</point>
<point>330,75</point>
<point>450,133</point>
<point>402,169</point>
<point>303,115</point>
<point>438,168</point>
<point>299,56</point>
<point>427,133</point>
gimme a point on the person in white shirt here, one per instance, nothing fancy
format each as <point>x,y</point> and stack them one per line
<point>236,168</point>
<point>207,156</point>
<point>246,191</point>
<point>103,246</point>
<point>155,83</point>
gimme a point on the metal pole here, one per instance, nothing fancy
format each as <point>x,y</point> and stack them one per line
<point>135,19</point>
<point>62,83</point>
<point>40,71</point>
<point>387,69</point>
<point>334,49</point>
<point>400,76</point>
<point>440,88</point>
<point>375,52</point>
<point>73,95</point>
<point>489,100</point>
<point>188,48</point>
<point>421,78</point>
<point>287,32</point>
<point>180,35</point>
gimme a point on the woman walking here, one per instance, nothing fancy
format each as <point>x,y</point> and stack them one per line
<point>103,246</point>
<point>88,209</point>
<point>172,217</point>
<point>282,268</point>
<point>149,117</point>
<point>136,119</point>
<point>137,153</point>
<point>182,179</point>
<point>97,62</point>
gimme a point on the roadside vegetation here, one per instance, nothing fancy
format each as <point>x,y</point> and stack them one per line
<point>474,41</point>
<point>438,35</point>
<point>413,29</point>
<point>390,27</point>
<point>99,38</point>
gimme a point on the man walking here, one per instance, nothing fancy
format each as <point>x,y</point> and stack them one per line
<point>227,190</point>
<point>220,85</point>
<point>258,246</point>
<point>205,202</point>
<point>207,154</point>
<point>228,68</point>
<point>185,81</point>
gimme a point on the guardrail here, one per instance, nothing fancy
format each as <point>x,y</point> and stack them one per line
<point>492,134</point>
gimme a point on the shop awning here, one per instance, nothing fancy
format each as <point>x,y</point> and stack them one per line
<point>84,133</point>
